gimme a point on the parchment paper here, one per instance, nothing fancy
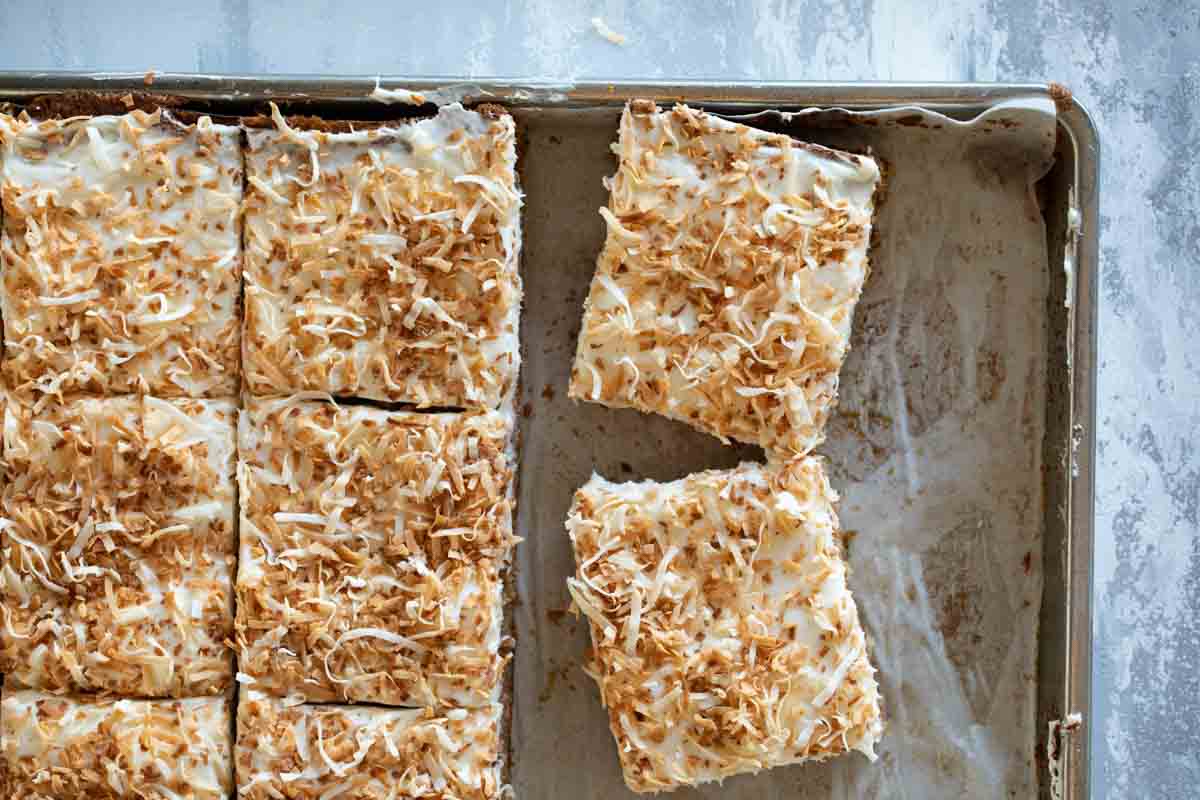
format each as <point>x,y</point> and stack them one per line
<point>936,450</point>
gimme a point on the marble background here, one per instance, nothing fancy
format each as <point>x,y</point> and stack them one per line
<point>1135,65</point>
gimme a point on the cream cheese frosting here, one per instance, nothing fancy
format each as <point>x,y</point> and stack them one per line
<point>117,548</point>
<point>382,263</point>
<point>121,255</point>
<point>104,748</point>
<point>373,545</point>
<point>724,293</point>
<point>725,639</point>
<point>305,752</point>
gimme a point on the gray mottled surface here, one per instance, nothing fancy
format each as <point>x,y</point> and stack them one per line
<point>1135,65</point>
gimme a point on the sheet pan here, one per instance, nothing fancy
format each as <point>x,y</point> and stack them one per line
<point>962,448</point>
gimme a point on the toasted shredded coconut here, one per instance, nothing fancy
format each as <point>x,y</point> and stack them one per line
<point>306,752</point>
<point>733,263</point>
<point>101,213</point>
<point>95,748</point>
<point>396,95</point>
<point>383,263</point>
<point>604,31</point>
<point>724,636</point>
<point>117,555</point>
<point>372,544</point>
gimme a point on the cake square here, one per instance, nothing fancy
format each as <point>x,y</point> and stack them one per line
<point>725,638</point>
<point>74,747</point>
<point>305,751</point>
<point>372,550</point>
<point>724,293</point>
<point>382,263</point>
<point>118,545</point>
<point>121,254</point>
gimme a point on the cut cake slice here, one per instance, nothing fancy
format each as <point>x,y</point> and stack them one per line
<point>373,549</point>
<point>724,293</point>
<point>121,255</point>
<point>382,263</point>
<point>118,546</point>
<point>725,638</point>
<point>306,752</point>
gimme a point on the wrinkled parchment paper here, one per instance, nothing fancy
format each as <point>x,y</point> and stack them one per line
<point>936,450</point>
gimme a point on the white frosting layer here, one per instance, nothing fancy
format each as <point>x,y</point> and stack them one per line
<point>324,751</point>
<point>725,638</point>
<point>372,549</point>
<point>725,291</point>
<point>121,251</point>
<point>117,552</point>
<point>383,263</point>
<point>60,747</point>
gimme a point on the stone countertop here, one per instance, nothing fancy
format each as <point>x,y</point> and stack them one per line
<point>1135,65</point>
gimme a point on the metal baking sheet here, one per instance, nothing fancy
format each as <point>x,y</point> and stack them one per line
<point>963,448</point>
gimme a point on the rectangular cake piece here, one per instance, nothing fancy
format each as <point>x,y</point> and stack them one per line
<point>372,549</point>
<point>118,546</point>
<point>304,752</point>
<point>60,747</point>
<point>382,263</point>
<point>121,255</point>
<point>725,639</point>
<point>724,293</point>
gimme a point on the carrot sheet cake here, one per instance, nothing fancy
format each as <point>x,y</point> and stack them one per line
<point>57,747</point>
<point>305,752</point>
<point>725,638</point>
<point>724,293</point>
<point>382,263</point>
<point>372,549</point>
<point>121,255</point>
<point>117,546</point>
